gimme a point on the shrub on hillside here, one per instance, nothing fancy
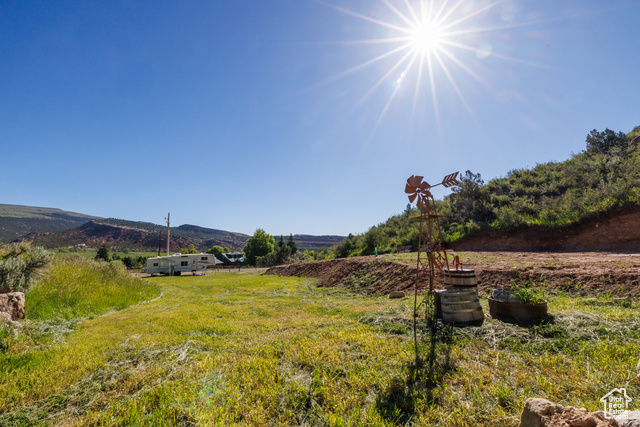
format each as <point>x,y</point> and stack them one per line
<point>21,264</point>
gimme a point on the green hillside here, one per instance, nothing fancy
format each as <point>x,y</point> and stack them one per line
<point>17,220</point>
<point>598,181</point>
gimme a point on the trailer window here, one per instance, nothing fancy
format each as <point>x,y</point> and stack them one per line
<point>204,258</point>
<point>184,263</point>
<point>155,264</point>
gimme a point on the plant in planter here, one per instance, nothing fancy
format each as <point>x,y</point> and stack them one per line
<point>527,294</point>
<point>523,303</point>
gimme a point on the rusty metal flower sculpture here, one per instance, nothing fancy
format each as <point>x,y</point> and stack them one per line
<point>432,256</point>
<point>416,187</point>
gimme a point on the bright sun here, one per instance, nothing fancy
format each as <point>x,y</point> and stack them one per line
<point>426,37</point>
<point>423,35</point>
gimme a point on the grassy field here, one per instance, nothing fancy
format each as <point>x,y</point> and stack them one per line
<point>247,349</point>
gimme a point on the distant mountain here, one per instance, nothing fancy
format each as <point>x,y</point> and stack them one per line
<point>117,237</point>
<point>306,241</point>
<point>54,228</point>
<point>17,221</point>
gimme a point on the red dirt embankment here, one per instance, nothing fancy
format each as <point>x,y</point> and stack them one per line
<point>616,231</point>
<point>585,273</point>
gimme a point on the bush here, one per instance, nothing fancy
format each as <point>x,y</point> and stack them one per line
<point>21,264</point>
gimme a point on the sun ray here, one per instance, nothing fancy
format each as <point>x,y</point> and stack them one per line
<point>451,11</point>
<point>480,30</point>
<point>417,90</point>
<point>427,33</point>
<point>384,77</point>
<point>434,95</point>
<point>493,54</point>
<point>437,17</point>
<point>366,63</point>
<point>392,96</point>
<point>412,11</point>
<point>397,12</point>
<point>385,40</point>
<point>364,17</point>
<point>455,85</point>
<point>463,66</point>
<point>473,14</point>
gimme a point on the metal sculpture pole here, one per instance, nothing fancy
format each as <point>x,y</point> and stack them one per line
<point>432,256</point>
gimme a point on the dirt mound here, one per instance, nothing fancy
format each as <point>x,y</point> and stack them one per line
<point>585,273</point>
<point>364,274</point>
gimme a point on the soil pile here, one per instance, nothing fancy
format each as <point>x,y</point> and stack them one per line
<point>368,275</point>
<point>583,273</point>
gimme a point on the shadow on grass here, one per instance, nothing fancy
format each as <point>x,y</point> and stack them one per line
<point>424,375</point>
<point>548,319</point>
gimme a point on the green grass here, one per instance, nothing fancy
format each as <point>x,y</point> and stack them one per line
<point>247,349</point>
<point>79,287</point>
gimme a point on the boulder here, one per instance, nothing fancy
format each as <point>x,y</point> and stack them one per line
<point>13,304</point>
<point>5,318</point>
<point>396,294</point>
<point>536,410</point>
<point>543,413</point>
<point>630,419</point>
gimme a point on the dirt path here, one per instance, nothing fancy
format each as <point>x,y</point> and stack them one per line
<point>579,272</point>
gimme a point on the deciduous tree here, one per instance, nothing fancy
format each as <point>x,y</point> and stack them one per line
<point>217,250</point>
<point>260,244</point>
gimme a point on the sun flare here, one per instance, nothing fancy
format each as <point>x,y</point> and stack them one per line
<point>425,37</point>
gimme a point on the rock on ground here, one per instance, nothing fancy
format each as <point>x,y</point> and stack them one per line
<point>13,304</point>
<point>630,419</point>
<point>543,413</point>
<point>5,318</point>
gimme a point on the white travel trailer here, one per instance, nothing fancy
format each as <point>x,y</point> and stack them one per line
<point>176,264</point>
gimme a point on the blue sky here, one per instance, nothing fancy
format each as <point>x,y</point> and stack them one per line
<point>275,114</point>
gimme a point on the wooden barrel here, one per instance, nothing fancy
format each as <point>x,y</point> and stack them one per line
<point>465,278</point>
<point>461,307</point>
<point>437,303</point>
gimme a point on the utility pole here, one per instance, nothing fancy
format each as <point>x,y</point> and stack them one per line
<point>168,216</point>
